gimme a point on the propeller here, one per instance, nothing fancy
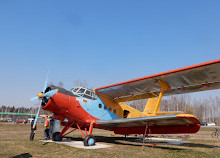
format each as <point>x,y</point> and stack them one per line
<point>41,96</point>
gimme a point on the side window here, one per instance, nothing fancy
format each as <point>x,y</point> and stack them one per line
<point>92,93</point>
<point>88,92</point>
<point>100,105</point>
<point>87,96</point>
<point>82,90</point>
<point>75,89</point>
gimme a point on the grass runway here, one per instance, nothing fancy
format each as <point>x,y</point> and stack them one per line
<point>14,142</point>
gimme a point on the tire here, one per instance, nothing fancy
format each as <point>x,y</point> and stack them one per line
<point>55,136</point>
<point>89,140</point>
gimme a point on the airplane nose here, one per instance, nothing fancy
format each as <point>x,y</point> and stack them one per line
<point>59,103</point>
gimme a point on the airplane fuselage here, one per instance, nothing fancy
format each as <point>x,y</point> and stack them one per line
<point>83,111</point>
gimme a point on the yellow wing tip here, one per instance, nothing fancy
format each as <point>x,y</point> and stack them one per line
<point>185,115</point>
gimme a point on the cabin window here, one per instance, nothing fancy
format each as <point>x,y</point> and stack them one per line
<point>82,90</point>
<point>75,89</point>
<point>114,110</point>
<point>110,109</point>
<point>126,113</point>
<point>88,92</point>
<point>105,107</point>
<point>100,105</point>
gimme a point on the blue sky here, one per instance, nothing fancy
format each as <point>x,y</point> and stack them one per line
<point>102,42</point>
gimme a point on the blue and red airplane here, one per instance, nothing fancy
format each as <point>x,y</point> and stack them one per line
<point>105,107</point>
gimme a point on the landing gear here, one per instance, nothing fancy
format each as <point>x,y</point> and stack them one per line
<point>89,140</point>
<point>55,136</point>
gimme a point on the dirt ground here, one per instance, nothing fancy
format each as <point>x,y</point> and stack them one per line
<point>14,142</point>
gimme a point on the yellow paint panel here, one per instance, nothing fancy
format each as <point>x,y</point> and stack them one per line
<point>150,106</point>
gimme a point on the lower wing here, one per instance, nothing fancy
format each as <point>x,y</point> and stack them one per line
<point>166,124</point>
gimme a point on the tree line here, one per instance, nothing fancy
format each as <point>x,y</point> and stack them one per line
<point>206,110</point>
<point>12,109</point>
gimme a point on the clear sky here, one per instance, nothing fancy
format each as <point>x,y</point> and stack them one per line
<point>100,41</point>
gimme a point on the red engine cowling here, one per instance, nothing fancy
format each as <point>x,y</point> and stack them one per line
<point>66,106</point>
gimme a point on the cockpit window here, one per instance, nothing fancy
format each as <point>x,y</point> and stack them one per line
<point>81,90</point>
<point>74,89</point>
<point>84,92</point>
<point>88,92</point>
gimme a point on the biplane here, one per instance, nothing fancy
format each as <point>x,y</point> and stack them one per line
<point>106,108</point>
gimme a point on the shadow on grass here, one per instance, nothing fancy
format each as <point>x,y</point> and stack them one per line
<point>45,143</point>
<point>139,142</point>
<point>25,155</point>
<point>125,141</point>
<point>133,141</point>
<point>199,145</point>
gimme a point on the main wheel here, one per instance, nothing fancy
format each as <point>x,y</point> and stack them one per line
<point>55,136</point>
<point>89,140</point>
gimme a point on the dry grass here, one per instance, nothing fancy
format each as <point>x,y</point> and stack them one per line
<point>14,141</point>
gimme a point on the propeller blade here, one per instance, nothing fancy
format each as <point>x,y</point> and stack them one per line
<point>34,98</point>
<point>50,93</point>
<point>36,117</point>
<point>45,84</point>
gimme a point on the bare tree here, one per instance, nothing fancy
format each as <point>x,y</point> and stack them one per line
<point>138,104</point>
<point>60,84</point>
<point>80,83</point>
<point>50,84</point>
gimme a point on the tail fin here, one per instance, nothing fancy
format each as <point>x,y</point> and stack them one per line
<point>150,106</point>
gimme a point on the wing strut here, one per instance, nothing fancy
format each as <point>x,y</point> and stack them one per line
<point>164,86</point>
<point>145,133</point>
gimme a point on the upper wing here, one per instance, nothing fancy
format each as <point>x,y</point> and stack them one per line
<point>163,120</point>
<point>200,77</point>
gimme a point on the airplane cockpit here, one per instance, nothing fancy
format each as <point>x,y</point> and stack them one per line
<point>84,92</point>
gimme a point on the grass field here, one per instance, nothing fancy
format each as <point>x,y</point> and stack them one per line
<point>14,142</point>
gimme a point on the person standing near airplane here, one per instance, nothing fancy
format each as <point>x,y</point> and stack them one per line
<point>51,126</point>
<point>33,129</point>
<point>46,128</point>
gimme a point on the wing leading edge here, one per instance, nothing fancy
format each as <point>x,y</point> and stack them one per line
<point>200,77</point>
